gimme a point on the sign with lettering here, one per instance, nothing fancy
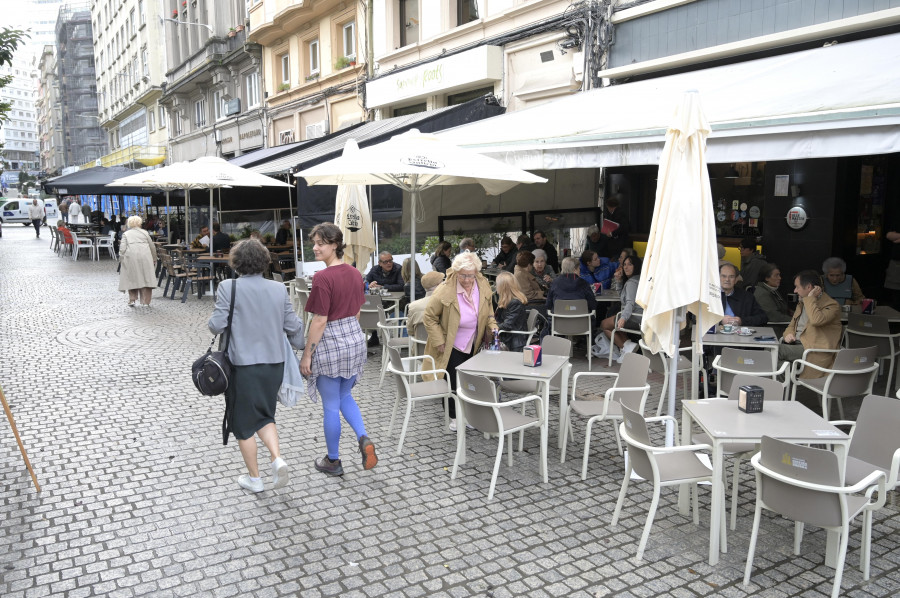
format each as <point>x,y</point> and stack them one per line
<point>796,218</point>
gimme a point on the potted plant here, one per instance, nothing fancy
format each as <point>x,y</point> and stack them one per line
<point>239,28</point>
<point>268,238</point>
<point>183,3</point>
<point>312,77</point>
<point>352,63</point>
<point>174,12</point>
<point>284,87</point>
<point>342,62</point>
<point>231,32</point>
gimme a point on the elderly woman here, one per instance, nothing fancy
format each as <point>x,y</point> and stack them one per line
<point>839,285</point>
<point>511,313</point>
<point>458,318</point>
<point>569,285</point>
<point>525,277</point>
<point>263,316</point>
<point>543,272</point>
<point>626,283</point>
<point>336,356</point>
<point>137,254</point>
<point>768,297</point>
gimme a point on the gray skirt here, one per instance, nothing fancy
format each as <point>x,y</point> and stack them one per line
<point>253,393</point>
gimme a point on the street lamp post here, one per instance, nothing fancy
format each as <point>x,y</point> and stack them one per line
<point>177,22</point>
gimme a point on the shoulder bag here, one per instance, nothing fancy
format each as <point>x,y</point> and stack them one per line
<point>212,372</point>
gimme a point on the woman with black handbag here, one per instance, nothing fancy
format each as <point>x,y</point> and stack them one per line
<point>263,315</point>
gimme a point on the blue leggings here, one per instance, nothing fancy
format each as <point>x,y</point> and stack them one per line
<point>337,400</point>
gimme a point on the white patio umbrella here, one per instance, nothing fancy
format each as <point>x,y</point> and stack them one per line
<point>415,161</point>
<point>352,216</point>
<point>680,271</point>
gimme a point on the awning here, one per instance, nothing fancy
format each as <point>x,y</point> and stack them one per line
<point>266,153</point>
<point>92,181</point>
<point>840,100</point>
<point>316,204</point>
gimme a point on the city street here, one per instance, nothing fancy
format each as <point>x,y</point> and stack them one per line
<point>140,498</point>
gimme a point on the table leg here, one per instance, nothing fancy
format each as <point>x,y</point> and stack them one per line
<point>716,504</point>
<point>563,402</point>
<point>545,429</point>
<point>684,493</point>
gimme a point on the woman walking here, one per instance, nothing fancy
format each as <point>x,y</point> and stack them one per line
<point>336,348</point>
<point>263,316</point>
<point>137,254</point>
<point>458,318</point>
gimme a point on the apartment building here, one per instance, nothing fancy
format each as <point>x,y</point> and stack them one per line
<point>212,92</point>
<point>19,134</point>
<point>49,113</point>
<point>130,71</point>
<point>313,55</point>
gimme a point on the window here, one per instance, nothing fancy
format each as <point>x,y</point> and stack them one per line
<point>162,117</point>
<point>285,69</point>
<point>176,123</point>
<point>142,13</point>
<point>219,104</point>
<point>313,49</point>
<point>466,11</point>
<point>200,112</point>
<point>151,119</point>
<point>252,87</point>
<point>350,39</point>
<point>145,61</point>
<point>133,23</point>
<point>409,22</point>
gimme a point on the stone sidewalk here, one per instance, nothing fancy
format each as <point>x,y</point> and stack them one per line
<point>140,497</point>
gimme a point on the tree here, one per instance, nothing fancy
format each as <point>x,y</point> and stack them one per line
<point>10,40</point>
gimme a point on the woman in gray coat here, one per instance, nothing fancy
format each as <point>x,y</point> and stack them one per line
<point>263,316</point>
<point>137,254</point>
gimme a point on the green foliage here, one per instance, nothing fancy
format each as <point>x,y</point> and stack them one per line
<point>10,40</point>
<point>482,242</point>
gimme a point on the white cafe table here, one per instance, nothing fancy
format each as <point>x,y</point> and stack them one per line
<point>884,311</point>
<point>508,364</point>
<point>725,423</point>
<point>719,339</point>
<point>607,296</point>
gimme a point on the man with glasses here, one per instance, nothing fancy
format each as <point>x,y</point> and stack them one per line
<point>741,308</point>
<point>386,275</point>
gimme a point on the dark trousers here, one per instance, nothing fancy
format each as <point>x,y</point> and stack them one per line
<point>456,358</point>
<point>37,226</point>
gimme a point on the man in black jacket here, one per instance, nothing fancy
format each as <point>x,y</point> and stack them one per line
<point>541,242</point>
<point>741,308</point>
<point>386,274</point>
<point>220,240</point>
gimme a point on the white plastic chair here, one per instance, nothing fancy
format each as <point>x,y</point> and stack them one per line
<point>80,244</point>
<point>479,407</point>
<point>733,361</point>
<point>107,242</point>
<point>389,330</point>
<point>851,375</point>
<point>630,384</point>
<point>411,388</point>
<point>865,330</point>
<point>530,327</point>
<point>622,330</point>
<point>874,440</point>
<point>659,363</point>
<point>662,465</point>
<point>571,317</point>
<point>804,484</point>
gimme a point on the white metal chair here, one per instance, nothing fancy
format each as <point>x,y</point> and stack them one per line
<point>368,313</point>
<point>108,243</point>
<point>659,363</point>
<point>630,384</point>
<point>418,338</point>
<point>864,330</point>
<point>804,484</point>
<point>390,330</point>
<point>571,317</point>
<point>741,451</point>
<point>79,244</point>
<point>530,327</point>
<point>478,407</point>
<point>408,374</point>
<point>733,361</point>
<point>851,375</point>
<point>664,466</point>
<point>874,440</point>
<point>623,330</point>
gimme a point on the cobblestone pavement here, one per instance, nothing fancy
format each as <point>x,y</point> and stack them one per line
<point>140,497</point>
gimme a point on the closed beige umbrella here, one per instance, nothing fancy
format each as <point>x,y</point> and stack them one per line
<point>352,216</point>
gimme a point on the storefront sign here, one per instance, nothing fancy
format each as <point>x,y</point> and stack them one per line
<point>249,134</point>
<point>796,218</point>
<point>466,69</point>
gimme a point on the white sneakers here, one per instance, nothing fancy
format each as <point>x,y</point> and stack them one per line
<point>453,426</point>
<point>628,347</point>
<point>247,483</point>
<point>279,473</point>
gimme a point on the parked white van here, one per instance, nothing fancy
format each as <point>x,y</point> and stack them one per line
<point>16,210</point>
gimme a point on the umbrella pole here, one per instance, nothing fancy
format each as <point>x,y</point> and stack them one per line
<point>414,196</point>
<point>677,316</point>
<point>168,220</point>
<point>297,266</point>
<point>187,217</point>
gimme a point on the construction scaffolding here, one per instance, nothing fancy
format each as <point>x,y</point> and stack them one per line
<point>83,139</point>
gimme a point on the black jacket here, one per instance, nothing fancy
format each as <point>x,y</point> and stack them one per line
<point>507,259</point>
<point>570,286</point>
<point>420,290</point>
<point>745,307</point>
<point>512,317</point>
<point>392,280</point>
<point>440,263</point>
<point>282,236</point>
<point>552,256</point>
<point>221,242</point>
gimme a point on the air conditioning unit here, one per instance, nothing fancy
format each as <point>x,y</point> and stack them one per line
<point>288,136</point>
<point>316,130</point>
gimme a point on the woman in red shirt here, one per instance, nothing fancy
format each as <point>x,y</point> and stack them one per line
<point>335,354</point>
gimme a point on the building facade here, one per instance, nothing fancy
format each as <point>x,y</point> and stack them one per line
<point>130,71</point>
<point>83,139</point>
<point>212,94</point>
<point>313,56</point>
<point>19,134</point>
<point>49,114</point>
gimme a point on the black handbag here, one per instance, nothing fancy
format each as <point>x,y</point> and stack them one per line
<point>212,372</point>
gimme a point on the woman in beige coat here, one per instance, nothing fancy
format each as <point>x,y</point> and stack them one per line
<point>458,318</point>
<point>137,254</point>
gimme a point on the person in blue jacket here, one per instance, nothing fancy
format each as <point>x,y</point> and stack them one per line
<point>597,269</point>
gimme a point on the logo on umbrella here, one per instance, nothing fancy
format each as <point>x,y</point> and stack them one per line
<point>353,219</point>
<point>224,177</point>
<point>421,161</point>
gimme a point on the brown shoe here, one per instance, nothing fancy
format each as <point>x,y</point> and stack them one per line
<point>367,448</point>
<point>326,465</point>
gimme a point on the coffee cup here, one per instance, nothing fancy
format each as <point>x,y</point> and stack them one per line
<point>727,328</point>
<point>745,330</point>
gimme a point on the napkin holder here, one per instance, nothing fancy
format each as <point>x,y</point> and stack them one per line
<point>531,355</point>
<point>750,398</point>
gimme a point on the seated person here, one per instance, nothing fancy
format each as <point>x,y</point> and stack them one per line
<point>839,285</point>
<point>596,269</point>
<point>511,313</point>
<point>416,310</point>
<point>506,259</point>
<point>405,275</point>
<point>751,263</point>
<point>386,275</point>
<point>524,243</point>
<point>284,233</point>
<point>541,242</point>
<point>440,261</point>
<point>816,325</point>
<point>543,272</point>
<point>595,241</point>
<point>527,283</point>
<point>106,227</point>
<point>220,240</point>
<point>626,282</point>
<point>467,244</point>
<point>769,297</point>
<point>201,240</point>
<point>741,308</point>
<point>569,285</point>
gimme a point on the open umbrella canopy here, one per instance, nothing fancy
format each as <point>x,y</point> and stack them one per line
<point>100,180</point>
<point>352,216</point>
<point>414,161</point>
<point>203,173</point>
<point>681,264</point>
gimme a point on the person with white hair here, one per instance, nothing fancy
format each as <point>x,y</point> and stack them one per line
<point>541,268</point>
<point>839,285</point>
<point>459,318</point>
<point>137,254</point>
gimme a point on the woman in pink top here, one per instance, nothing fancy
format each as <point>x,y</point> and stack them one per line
<point>459,316</point>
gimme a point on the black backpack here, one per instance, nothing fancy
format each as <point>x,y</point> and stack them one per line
<point>212,372</point>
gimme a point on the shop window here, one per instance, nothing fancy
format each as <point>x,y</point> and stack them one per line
<point>409,22</point>
<point>466,11</point>
<point>465,96</point>
<point>414,109</point>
